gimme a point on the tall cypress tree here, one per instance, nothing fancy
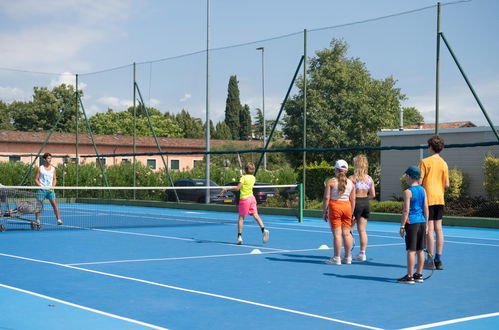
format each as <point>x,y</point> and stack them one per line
<point>233,107</point>
<point>245,123</point>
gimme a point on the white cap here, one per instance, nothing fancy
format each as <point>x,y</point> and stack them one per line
<point>341,165</point>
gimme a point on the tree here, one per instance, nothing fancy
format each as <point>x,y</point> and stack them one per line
<point>412,116</point>
<point>5,117</point>
<point>222,132</point>
<point>45,108</point>
<point>233,107</point>
<point>245,123</point>
<point>345,105</point>
<point>140,111</point>
<point>191,126</point>
<point>259,124</point>
<point>114,122</point>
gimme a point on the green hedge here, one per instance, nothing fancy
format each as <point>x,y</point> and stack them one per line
<point>491,173</point>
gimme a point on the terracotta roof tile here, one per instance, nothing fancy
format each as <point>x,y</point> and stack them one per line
<point>121,140</point>
<point>454,124</point>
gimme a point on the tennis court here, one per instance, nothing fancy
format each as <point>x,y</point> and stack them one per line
<point>191,275</point>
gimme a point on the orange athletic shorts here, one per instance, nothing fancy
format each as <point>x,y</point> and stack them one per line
<point>340,213</point>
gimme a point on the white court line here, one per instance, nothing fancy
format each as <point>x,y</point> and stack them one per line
<point>249,302</point>
<point>463,319</point>
<point>210,256</point>
<point>82,307</point>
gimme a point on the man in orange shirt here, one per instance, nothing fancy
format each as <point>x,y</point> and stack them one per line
<point>435,179</point>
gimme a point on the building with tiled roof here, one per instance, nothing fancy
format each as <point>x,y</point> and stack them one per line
<point>451,124</point>
<point>23,146</point>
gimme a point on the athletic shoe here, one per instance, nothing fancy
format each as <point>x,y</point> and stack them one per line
<point>333,261</point>
<point>360,257</point>
<point>418,278</point>
<point>265,236</point>
<point>428,265</point>
<point>239,240</point>
<point>59,222</point>
<point>347,261</point>
<point>406,280</point>
<point>438,265</point>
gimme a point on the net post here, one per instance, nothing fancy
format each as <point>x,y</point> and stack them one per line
<point>301,200</point>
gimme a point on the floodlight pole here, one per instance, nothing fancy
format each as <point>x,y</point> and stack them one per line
<point>134,129</point>
<point>263,107</point>
<point>207,195</point>
<point>304,109</point>
<point>437,78</point>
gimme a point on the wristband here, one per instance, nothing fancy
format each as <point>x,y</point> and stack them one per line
<point>402,227</point>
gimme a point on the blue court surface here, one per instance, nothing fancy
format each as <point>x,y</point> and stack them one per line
<point>193,276</point>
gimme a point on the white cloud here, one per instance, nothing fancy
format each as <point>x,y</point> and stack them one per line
<point>154,102</point>
<point>456,103</point>
<point>68,79</point>
<point>185,97</point>
<point>115,103</point>
<point>9,94</point>
<point>47,34</point>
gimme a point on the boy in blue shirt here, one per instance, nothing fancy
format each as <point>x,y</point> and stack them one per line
<point>413,225</point>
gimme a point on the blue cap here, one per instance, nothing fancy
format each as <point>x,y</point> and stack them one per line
<point>414,172</point>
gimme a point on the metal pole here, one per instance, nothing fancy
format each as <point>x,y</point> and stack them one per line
<point>470,86</point>
<point>304,107</point>
<point>207,195</point>
<point>437,78</point>
<point>134,129</point>
<point>77,132</point>
<point>263,107</point>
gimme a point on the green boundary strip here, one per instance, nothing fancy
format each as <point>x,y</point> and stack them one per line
<point>381,217</point>
<point>447,220</point>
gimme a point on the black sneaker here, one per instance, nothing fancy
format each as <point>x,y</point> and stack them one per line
<point>418,278</point>
<point>438,265</point>
<point>406,280</point>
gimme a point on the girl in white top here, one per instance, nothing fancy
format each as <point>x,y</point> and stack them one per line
<point>46,177</point>
<point>339,203</point>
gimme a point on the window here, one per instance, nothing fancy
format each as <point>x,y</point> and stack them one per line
<point>151,163</point>
<point>100,162</point>
<point>175,164</point>
<point>14,159</point>
<point>126,160</point>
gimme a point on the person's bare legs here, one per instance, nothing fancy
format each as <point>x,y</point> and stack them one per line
<point>258,219</point>
<point>240,223</point>
<point>56,209</point>
<point>410,263</point>
<point>337,241</point>
<point>420,265</point>
<point>361,229</point>
<point>430,241</point>
<point>439,233</point>
<point>347,241</point>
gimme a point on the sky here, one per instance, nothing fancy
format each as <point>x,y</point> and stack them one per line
<point>45,43</point>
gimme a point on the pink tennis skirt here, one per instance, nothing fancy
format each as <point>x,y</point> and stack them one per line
<point>247,206</point>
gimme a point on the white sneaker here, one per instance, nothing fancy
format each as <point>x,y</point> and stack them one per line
<point>333,261</point>
<point>360,257</point>
<point>265,236</point>
<point>59,222</point>
<point>239,240</point>
<point>347,261</point>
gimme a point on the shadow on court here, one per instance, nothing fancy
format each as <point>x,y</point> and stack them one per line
<point>365,278</point>
<point>314,259</point>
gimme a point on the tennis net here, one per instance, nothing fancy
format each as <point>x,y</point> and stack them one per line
<point>107,207</point>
